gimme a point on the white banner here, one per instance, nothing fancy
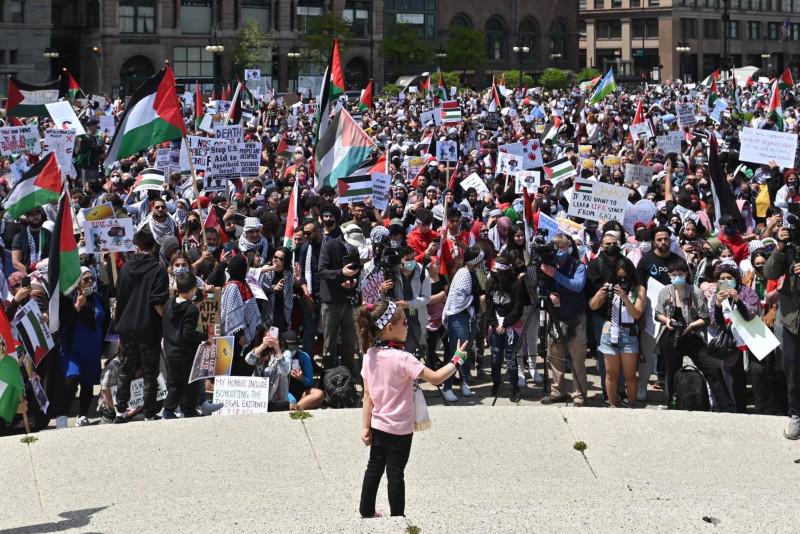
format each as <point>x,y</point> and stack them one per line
<point>241,394</point>
<point>763,146</point>
<point>62,144</point>
<point>529,151</point>
<point>598,201</point>
<point>638,173</point>
<point>670,143</point>
<point>19,139</point>
<point>64,116</point>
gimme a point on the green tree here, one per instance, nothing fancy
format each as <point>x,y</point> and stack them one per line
<point>403,47</point>
<point>251,48</point>
<point>512,77</point>
<point>466,49</point>
<point>450,78</point>
<point>322,31</point>
<point>587,74</point>
<point>390,89</point>
<point>554,79</point>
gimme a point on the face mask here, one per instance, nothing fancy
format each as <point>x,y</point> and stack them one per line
<point>646,246</point>
<point>179,270</point>
<point>758,268</point>
<point>731,284</point>
<point>678,280</point>
<point>410,265</point>
<point>193,225</point>
<point>612,250</point>
<point>212,249</point>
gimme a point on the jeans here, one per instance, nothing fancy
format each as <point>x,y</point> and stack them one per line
<point>388,452</point>
<point>310,327</point>
<point>503,349</point>
<point>458,331</point>
<point>132,357</point>
<point>531,345</point>
<point>791,367</point>
<point>338,319</point>
<point>414,340</point>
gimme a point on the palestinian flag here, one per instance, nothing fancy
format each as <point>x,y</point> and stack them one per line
<point>234,115</point>
<point>441,93</point>
<point>786,81</point>
<point>588,84</point>
<point>151,117</point>
<point>559,169</point>
<point>332,88</point>
<point>713,94</point>
<point>284,148</point>
<point>72,87</point>
<point>451,113</point>
<point>451,183</point>
<point>63,267</point>
<point>198,106</point>
<point>292,216</point>
<point>425,85</point>
<point>150,179</point>
<point>37,187</point>
<point>28,100</point>
<point>775,109</point>
<point>343,147</point>
<point>354,188</point>
<point>724,200</point>
<point>553,130</point>
<point>11,387</point>
<point>214,220</point>
<point>365,102</point>
<point>497,100</point>
<point>242,105</point>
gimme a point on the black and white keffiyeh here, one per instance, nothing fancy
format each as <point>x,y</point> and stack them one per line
<point>160,230</point>
<point>386,318</point>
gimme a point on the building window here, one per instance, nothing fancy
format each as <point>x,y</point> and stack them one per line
<point>496,39</point>
<point>733,29</point>
<point>13,57</point>
<point>137,16</point>
<point>636,3</point>
<point>193,62</point>
<point>582,5</point>
<point>419,14</point>
<point>753,30</point>
<point>307,11</point>
<point>653,3</point>
<point>359,16</point>
<point>616,4</point>
<point>2,57</point>
<point>647,30</point>
<point>772,30</point>
<point>608,29</point>
<point>529,36</point>
<point>688,29</point>
<point>258,11</point>
<point>558,39</point>
<point>794,32</point>
<point>17,11</point>
<point>196,16</point>
<point>710,29</point>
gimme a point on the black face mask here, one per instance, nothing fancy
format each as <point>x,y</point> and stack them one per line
<point>193,225</point>
<point>612,250</point>
<point>231,234</point>
<point>709,254</point>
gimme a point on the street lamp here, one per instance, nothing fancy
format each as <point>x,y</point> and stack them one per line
<point>98,55</point>
<point>294,56</point>
<point>520,49</point>
<point>50,53</point>
<point>765,61</point>
<point>440,55</point>
<point>683,48</point>
<point>215,48</point>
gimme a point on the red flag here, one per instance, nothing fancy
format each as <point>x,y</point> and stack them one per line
<point>5,333</point>
<point>213,221</point>
<point>452,183</point>
<point>198,105</point>
<point>292,216</point>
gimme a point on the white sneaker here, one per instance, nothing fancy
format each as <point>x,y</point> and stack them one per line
<point>207,408</point>
<point>449,396</point>
<point>61,421</point>
<point>521,383</point>
<point>83,421</point>
<point>538,379</point>
<point>465,391</point>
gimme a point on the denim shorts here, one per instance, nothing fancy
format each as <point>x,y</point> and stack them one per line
<point>626,342</point>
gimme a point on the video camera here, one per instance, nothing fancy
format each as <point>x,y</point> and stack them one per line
<point>543,252</point>
<point>387,258</point>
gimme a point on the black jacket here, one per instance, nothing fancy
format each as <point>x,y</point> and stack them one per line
<point>181,337</point>
<point>333,256</point>
<point>142,285</point>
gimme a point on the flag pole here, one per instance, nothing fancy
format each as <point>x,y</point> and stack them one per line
<point>185,143</point>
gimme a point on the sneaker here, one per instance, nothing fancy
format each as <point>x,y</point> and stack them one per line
<point>207,408</point>
<point>193,413</point>
<point>83,421</point>
<point>449,396</point>
<point>537,378</point>
<point>465,391</point>
<point>515,395</point>
<point>168,414</point>
<point>62,421</point>
<point>792,430</point>
<point>154,418</point>
<point>120,419</point>
<point>552,399</point>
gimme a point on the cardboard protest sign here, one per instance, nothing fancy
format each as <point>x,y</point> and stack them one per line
<point>716,113</point>
<point>223,160</point>
<point>763,146</point>
<point>64,117</point>
<point>530,152</point>
<point>643,130</point>
<point>612,161</point>
<point>670,143</point>
<point>685,113</point>
<point>508,163</point>
<point>62,144</point>
<point>213,358</point>
<point>447,151</point>
<point>433,116</point>
<point>109,235</point>
<point>241,395</point>
<point>529,180</point>
<point>249,159</point>
<point>19,140</point>
<point>233,133</point>
<point>210,312</point>
<point>380,190</point>
<point>473,180</point>
<point>638,173</point>
<point>598,201</point>
<point>137,391</point>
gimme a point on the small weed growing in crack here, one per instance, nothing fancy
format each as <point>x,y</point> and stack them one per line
<point>300,414</point>
<point>412,529</point>
<point>579,446</point>
<point>29,439</point>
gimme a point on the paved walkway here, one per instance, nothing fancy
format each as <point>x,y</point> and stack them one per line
<point>479,469</point>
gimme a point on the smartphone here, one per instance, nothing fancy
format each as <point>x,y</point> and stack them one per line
<point>273,332</point>
<point>295,364</point>
<point>228,246</point>
<point>26,281</point>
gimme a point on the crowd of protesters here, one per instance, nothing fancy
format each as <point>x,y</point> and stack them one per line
<point>459,263</point>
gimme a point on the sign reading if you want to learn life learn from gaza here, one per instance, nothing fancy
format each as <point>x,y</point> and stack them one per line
<point>598,201</point>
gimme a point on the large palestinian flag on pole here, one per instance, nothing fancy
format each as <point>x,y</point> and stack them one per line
<point>152,117</point>
<point>332,88</point>
<point>343,148</point>
<point>28,100</point>
<point>292,216</point>
<point>37,187</point>
<point>63,266</point>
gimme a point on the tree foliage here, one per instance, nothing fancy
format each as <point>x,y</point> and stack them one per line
<point>450,78</point>
<point>587,73</point>
<point>512,77</point>
<point>466,49</point>
<point>390,89</point>
<point>250,49</point>
<point>403,46</point>
<point>322,31</point>
<point>554,79</point>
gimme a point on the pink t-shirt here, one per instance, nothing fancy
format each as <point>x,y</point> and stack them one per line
<point>390,375</point>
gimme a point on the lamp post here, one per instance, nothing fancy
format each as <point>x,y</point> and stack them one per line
<point>98,57</point>
<point>440,55</point>
<point>216,48</point>
<point>520,49</point>
<point>294,56</point>
<point>765,61</point>
<point>50,54</point>
<point>683,48</point>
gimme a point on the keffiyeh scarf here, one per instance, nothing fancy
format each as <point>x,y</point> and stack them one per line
<point>161,230</point>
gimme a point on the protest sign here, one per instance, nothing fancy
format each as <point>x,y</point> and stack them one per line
<point>549,224</point>
<point>32,331</point>
<point>493,120</point>
<point>508,163</point>
<point>137,392</point>
<point>638,173</point>
<point>107,125</point>
<point>529,180</point>
<point>530,153</point>
<point>19,140</point>
<point>612,161</point>
<point>163,160</point>
<point>413,164</point>
<point>249,159</point>
<point>755,334</point>
<point>233,133</point>
<point>198,151</point>
<point>64,117</point>
<point>447,151</point>
<point>473,180</point>
<point>643,211</point>
<point>670,143</point>
<point>654,287</point>
<point>252,74</point>
<point>210,312</point>
<point>62,144</point>
<point>213,358</point>
<point>380,190</point>
<point>719,106</point>
<point>18,168</point>
<point>96,213</point>
<point>685,114</point>
<point>223,160</point>
<point>598,201</point>
<point>241,395</point>
<point>109,235</point>
<point>433,116</point>
<point>763,146</point>
<point>643,130</point>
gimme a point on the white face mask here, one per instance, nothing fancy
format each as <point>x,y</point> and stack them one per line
<point>646,246</point>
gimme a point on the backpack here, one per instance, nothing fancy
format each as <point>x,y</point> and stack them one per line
<point>691,390</point>
<point>340,390</point>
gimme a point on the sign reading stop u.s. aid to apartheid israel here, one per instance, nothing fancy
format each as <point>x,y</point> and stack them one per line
<point>598,201</point>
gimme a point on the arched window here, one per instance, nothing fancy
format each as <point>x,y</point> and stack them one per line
<point>558,39</point>
<point>462,21</point>
<point>529,36</point>
<point>496,39</point>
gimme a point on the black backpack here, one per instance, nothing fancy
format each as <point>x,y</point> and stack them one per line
<point>691,390</point>
<point>340,389</point>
